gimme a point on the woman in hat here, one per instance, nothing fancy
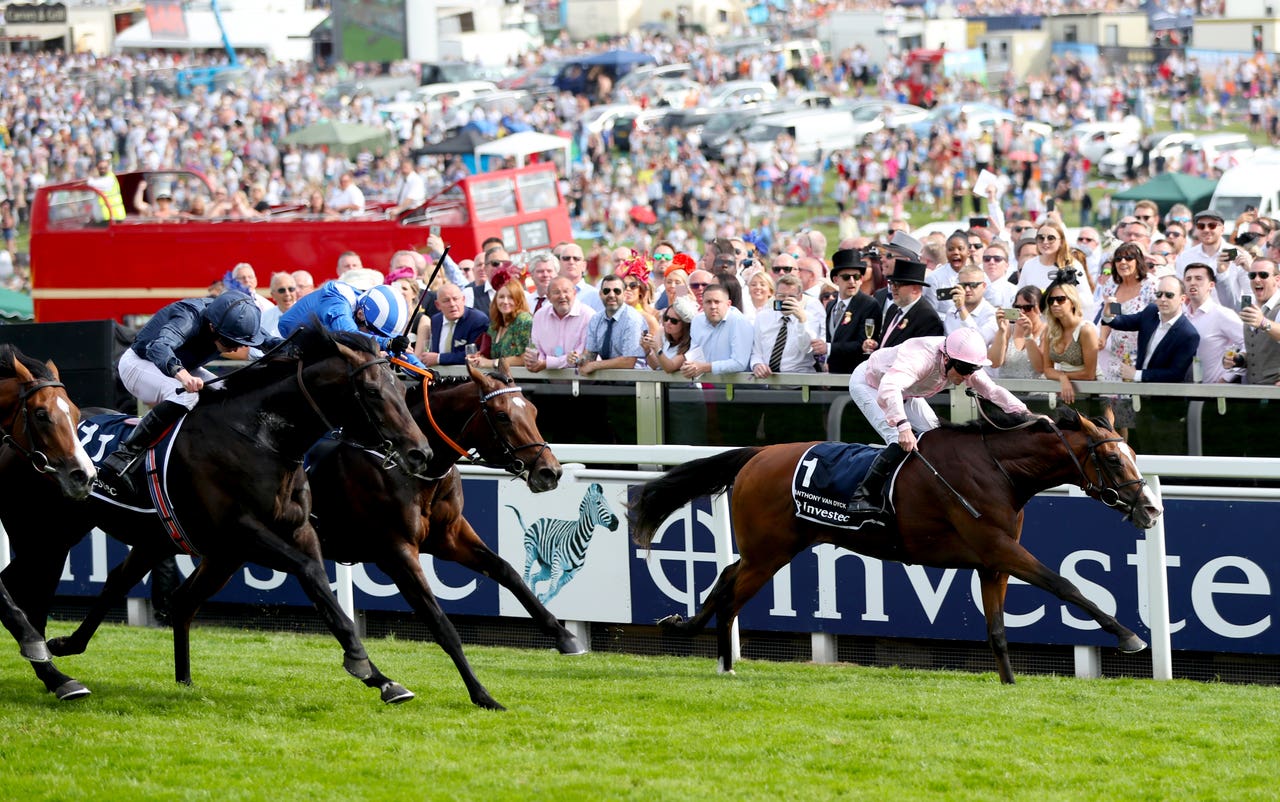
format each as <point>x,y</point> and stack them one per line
<point>510,322</point>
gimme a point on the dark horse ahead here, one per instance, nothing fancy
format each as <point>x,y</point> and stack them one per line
<point>38,437</point>
<point>365,513</point>
<point>998,469</point>
<point>238,488</point>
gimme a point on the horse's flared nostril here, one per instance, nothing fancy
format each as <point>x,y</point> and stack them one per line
<point>416,459</point>
<point>547,478</point>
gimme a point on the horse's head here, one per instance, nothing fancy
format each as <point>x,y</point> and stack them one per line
<point>363,396</point>
<point>38,419</point>
<point>1109,468</point>
<point>513,440</point>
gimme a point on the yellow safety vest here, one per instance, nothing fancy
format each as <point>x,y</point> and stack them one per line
<point>113,206</point>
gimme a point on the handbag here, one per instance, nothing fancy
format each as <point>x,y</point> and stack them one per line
<point>485,345</point>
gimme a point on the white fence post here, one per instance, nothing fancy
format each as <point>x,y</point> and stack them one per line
<point>724,556</point>
<point>1158,594</point>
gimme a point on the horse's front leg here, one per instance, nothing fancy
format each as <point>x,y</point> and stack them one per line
<point>31,644</point>
<point>993,590</point>
<point>32,579</point>
<point>121,578</point>
<point>210,576</point>
<point>405,570</point>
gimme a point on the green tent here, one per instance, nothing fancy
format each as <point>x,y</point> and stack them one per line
<point>15,307</point>
<point>345,138</point>
<point>1167,189</point>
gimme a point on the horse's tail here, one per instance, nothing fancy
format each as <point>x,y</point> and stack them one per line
<point>659,498</point>
<point>519,519</point>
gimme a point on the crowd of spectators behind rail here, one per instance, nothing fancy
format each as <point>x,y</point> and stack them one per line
<point>62,113</point>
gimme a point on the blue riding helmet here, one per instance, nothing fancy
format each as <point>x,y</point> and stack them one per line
<point>235,317</point>
<point>385,310</point>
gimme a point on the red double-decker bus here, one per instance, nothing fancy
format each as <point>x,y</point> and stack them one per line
<point>87,267</point>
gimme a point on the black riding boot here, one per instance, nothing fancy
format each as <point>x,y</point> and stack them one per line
<point>144,435</point>
<point>869,497</point>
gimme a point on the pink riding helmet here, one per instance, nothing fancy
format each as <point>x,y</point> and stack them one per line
<point>966,345</point>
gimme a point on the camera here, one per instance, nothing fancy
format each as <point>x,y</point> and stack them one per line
<point>777,305</point>
<point>944,293</point>
<point>1011,314</point>
<point>977,222</point>
<point>1114,309</point>
<point>1231,253</point>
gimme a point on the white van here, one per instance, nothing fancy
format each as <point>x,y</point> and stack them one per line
<point>815,131</point>
<point>1255,183</point>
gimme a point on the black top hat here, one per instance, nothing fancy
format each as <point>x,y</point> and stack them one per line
<point>848,259</point>
<point>907,271</point>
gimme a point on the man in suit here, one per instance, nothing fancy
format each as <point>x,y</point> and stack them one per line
<point>1167,341</point>
<point>453,328</point>
<point>909,315</point>
<point>849,313</point>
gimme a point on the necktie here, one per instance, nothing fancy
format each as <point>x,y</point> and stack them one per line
<point>446,337</point>
<point>893,324</point>
<point>779,344</point>
<point>606,347</point>
<point>837,311</point>
<point>541,300</point>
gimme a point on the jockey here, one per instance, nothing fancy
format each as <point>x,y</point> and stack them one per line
<point>380,312</point>
<point>891,387</point>
<point>166,358</point>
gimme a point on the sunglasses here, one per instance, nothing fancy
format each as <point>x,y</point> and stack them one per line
<point>850,276</point>
<point>633,285</point>
<point>782,268</point>
<point>1206,226</point>
<point>1179,219</point>
<point>1024,308</point>
<point>610,290</point>
<point>976,244</point>
<point>1172,234</point>
<point>498,263</point>
<point>963,368</point>
<point>1046,237</point>
<point>699,285</point>
<point>568,258</point>
<point>1144,217</point>
<point>1020,229</point>
<point>827,296</point>
<point>672,320</point>
<point>1261,275</point>
<point>993,257</point>
<point>283,290</point>
<point>1057,299</point>
<point>663,257</point>
<point>1166,294</point>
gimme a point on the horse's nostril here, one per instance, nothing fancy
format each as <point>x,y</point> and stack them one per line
<point>80,477</point>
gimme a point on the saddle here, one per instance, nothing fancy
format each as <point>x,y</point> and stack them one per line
<point>827,477</point>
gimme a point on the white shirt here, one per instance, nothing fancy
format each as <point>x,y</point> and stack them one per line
<point>797,355</point>
<point>1000,293</point>
<point>982,319</point>
<point>940,277</point>
<point>410,191</point>
<point>351,196</point>
<point>1220,329</point>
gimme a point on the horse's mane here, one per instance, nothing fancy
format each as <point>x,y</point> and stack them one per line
<point>1064,417</point>
<point>310,344</point>
<point>9,355</point>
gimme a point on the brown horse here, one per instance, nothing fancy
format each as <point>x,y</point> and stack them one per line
<point>37,426</point>
<point>996,467</point>
<point>365,513</point>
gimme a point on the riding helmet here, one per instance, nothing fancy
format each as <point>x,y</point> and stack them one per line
<point>385,310</point>
<point>235,317</point>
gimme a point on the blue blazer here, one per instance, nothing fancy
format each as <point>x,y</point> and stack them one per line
<point>1171,361</point>
<point>468,329</point>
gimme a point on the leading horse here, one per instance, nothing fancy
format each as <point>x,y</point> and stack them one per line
<point>37,427</point>
<point>997,467</point>
<point>237,486</point>
<point>365,513</point>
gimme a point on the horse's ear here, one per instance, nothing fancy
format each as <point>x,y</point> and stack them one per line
<point>348,353</point>
<point>53,370</point>
<point>20,370</point>
<point>1068,418</point>
<point>476,375</point>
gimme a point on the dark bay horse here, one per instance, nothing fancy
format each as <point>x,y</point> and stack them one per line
<point>38,437</point>
<point>237,486</point>
<point>998,468</point>
<point>365,513</point>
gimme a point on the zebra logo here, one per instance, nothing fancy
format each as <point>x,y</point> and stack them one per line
<point>559,546</point>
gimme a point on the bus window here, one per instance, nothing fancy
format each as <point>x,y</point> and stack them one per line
<point>538,191</point>
<point>449,208</point>
<point>493,200</point>
<point>534,235</point>
<point>74,208</point>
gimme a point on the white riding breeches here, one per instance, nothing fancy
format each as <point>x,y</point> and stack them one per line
<point>148,384</point>
<point>919,413</point>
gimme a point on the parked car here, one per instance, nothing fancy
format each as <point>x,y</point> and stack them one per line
<point>435,96</point>
<point>1256,183</point>
<point>947,114</point>
<point>870,118</point>
<point>742,93</point>
<point>1169,146</point>
<point>814,131</point>
<point>1095,140</point>
<point>599,119</point>
<point>1222,151</point>
<point>641,75</point>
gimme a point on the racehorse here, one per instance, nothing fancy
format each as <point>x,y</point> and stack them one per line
<point>998,466</point>
<point>364,513</point>
<point>238,489</point>
<point>38,427</point>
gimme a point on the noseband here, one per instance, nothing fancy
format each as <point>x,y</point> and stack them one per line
<point>513,465</point>
<point>38,459</point>
<point>390,457</point>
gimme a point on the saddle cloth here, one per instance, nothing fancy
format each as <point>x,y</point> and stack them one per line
<point>825,480</point>
<point>101,435</point>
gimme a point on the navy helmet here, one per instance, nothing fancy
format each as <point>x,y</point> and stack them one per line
<point>235,317</point>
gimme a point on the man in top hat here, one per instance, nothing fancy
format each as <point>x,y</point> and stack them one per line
<point>1212,249</point>
<point>909,315</point>
<point>849,313</point>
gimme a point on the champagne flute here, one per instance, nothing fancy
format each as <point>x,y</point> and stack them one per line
<point>869,328</point>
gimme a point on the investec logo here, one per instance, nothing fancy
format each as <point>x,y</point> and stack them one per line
<point>675,544</point>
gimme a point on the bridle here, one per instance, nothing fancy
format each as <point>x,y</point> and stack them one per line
<point>390,456</point>
<point>38,459</point>
<point>1107,489</point>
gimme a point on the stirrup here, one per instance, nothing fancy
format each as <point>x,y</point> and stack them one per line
<point>120,461</point>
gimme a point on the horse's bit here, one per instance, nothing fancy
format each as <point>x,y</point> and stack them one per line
<point>386,450</point>
<point>515,466</point>
<point>39,460</point>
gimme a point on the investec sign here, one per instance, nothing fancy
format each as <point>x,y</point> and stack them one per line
<point>1221,588</point>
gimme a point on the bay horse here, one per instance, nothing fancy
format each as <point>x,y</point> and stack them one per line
<point>365,513</point>
<point>37,436</point>
<point>997,466</point>
<point>237,485</point>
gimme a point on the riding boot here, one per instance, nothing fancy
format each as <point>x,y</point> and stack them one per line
<point>869,499</point>
<point>143,436</point>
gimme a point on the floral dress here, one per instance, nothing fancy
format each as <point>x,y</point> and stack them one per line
<point>1122,348</point>
<point>514,340</point>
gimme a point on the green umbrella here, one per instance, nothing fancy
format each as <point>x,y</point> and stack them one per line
<point>345,138</point>
<point>15,307</point>
<point>1167,189</point>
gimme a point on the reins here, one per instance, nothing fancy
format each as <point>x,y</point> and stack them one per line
<point>38,459</point>
<point>386,449</point>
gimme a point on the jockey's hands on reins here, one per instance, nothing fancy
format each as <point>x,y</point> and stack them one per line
<point>907,439</point>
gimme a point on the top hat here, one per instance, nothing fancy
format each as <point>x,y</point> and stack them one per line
<point>847,259</point>
<point>908,271</point>
<point>904,245</point>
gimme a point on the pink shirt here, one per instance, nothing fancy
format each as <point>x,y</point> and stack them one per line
<point>915,369</point>
<point>556,337</point>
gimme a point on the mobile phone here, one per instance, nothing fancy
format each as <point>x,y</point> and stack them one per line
<point>434,231</point>
<point>1051,204</point>
<point>1114,309</point>
<point>1246,300</point>
<point>777,305</point>
<point>1012,314</point>
<point>977,222</point>
<point>944,293</point>
<point>1231,253</point>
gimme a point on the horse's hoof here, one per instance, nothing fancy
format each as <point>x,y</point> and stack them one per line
<point>1132,644</point>
<point>570,645</point>
<point>488,703</point>
<point>37,651</point>
<point>71,689</point>
<point>671,622</point>
<point>358,667</point>
<point>393,693</point>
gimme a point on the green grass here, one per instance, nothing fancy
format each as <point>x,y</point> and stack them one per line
<point>272,716</point>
